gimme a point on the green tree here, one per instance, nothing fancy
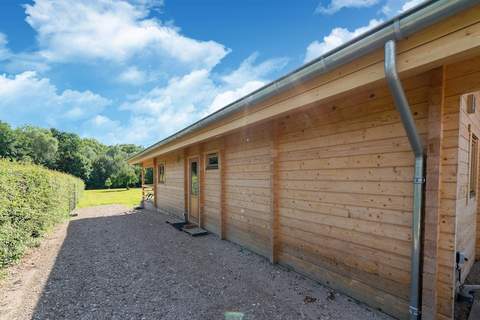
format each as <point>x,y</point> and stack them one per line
<point>37,145</point>
<point>108,183</point>
<point>129,149</point>
<point>7,141</point>
<point>103,167</point>
<point>71,157</point>
<point>125,175</point>
<point>86,158</point>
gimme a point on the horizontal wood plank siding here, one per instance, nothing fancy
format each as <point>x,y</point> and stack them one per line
<point>457,214</point>
<point>346,171</point>
<point>170,194</point>
<point>211,190</point>
<point>344,191</point>
<point>247,188</point>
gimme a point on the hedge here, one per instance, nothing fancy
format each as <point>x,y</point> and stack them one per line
<point>32,200</point>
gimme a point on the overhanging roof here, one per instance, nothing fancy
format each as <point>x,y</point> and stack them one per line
<point>397,28</point>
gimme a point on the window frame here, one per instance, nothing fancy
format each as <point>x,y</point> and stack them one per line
<point>210,155</point>
<point>161,174</point>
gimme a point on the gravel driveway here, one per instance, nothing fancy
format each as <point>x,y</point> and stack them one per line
<point>112,263</point>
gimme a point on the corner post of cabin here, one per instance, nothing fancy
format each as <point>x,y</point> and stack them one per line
<point>201,176</point>
<point>155,182</point>
<point>223,163</point>
<point>432,194</point>
<point>274,193</point>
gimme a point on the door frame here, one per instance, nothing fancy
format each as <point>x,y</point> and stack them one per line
<point>191,159</point>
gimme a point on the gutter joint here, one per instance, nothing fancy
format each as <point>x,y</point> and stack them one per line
<point>397,30</point>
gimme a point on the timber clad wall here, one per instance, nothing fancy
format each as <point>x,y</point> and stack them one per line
<point>169,196</point>
<point>457,216</point>
<point>343,189</point>
<point>211,190</point>
<point>345,194</point>
<point>247,188</point>
<point>466,206</point>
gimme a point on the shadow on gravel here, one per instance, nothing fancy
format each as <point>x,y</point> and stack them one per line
<point>112,267</point>
<point>132,265</point>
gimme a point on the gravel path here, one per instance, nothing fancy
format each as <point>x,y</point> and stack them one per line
<point>111,263</point>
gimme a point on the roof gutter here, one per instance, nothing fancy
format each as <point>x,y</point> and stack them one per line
<point>403,108</point>
<point>402,26</point>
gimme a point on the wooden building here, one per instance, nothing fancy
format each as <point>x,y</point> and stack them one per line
<point>315,171</point>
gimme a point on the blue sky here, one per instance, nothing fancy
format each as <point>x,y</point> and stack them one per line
<point>135,71</point>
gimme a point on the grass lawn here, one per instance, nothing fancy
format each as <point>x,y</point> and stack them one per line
<point>130,198</point>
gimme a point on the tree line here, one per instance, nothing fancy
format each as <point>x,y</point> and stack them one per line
<point>99,165</point>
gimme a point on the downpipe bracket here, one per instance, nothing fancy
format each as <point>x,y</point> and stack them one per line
<point>414,312</point>
<point>419,180</point>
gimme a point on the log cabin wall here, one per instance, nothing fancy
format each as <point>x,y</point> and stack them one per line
<point>345,190</point>
<point>457,214</point>
<point>461,85</point>
<point>467,203</point>
<point>169,195</point>
<point>212,189</point>
<point>247,188</point>
<point>345,198</point>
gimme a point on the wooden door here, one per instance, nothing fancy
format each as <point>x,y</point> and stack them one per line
<point>194,191</point>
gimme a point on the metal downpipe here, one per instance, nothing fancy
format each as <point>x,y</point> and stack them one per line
<point>403,108</point>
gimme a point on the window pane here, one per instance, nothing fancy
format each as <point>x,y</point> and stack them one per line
<point>161,173</point>
<point>212,161</point>
<point>194,178</point>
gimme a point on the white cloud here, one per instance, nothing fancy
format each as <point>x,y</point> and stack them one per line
<point>185,99</point>
<point>226,97</point>
<point>105,129</point>
<point>337,5</point>
<point>336,37</point>
<point>27,98</point>
<point>82,30</point>
<point>395,7</point>
<point>133,75</point>
<point>410,4</point>
<point>136,49</point>
<point>247,78</point>
<point>4,52</point>
<point>19,62</point>
<point>179,95</point>
<point>249,70</point>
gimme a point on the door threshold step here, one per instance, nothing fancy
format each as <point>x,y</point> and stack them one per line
<point>172,220</point>
<point>176,223</point>
<point>195,231</point>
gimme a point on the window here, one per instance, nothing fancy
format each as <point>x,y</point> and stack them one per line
<point>194,178</point>
<point>161,173</point>
<point>473,166</point>
<point>212,161</point>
